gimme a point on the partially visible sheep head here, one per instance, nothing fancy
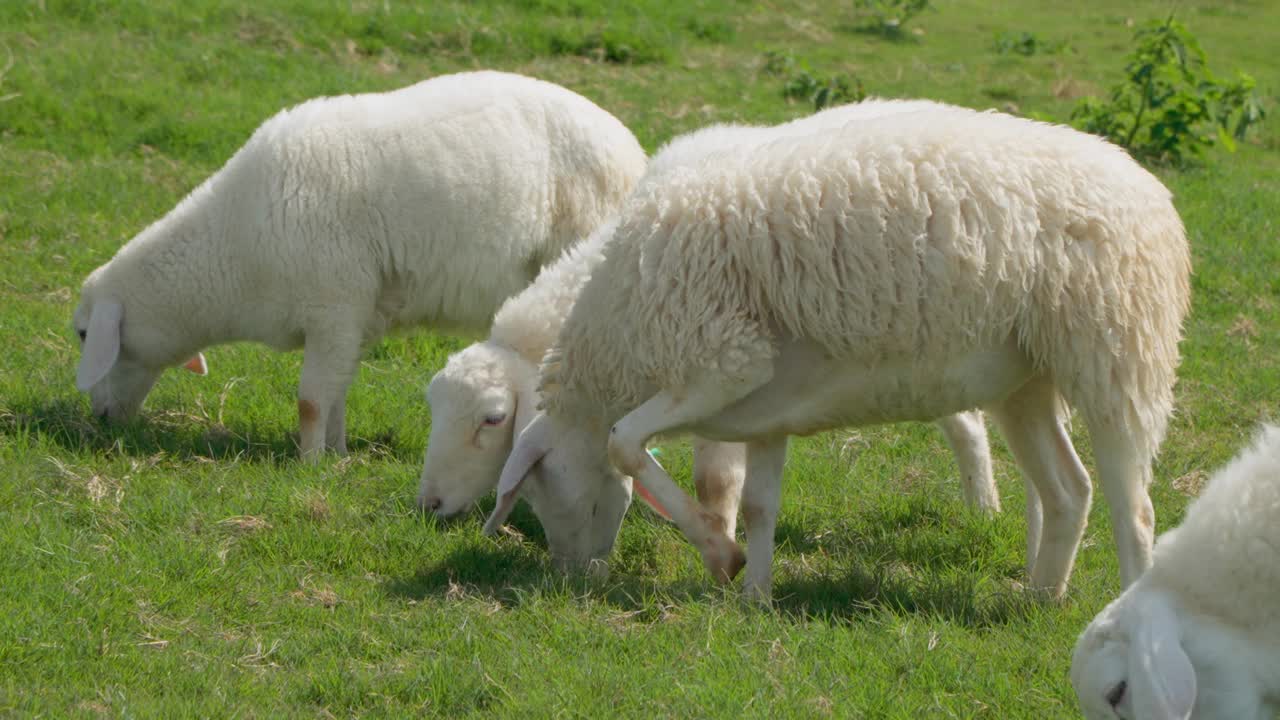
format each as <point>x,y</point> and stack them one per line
<point>122,352</point>
<point>479,400</point>
<point>1129,663</point>
<point>566,476</point>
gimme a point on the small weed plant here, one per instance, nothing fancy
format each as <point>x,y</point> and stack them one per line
<point>803,84</point>
<point>1170,107</point>
<point>611,47</point>
<point>889,17</point>
<point>1025,43</point>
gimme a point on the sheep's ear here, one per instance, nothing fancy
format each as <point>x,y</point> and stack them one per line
<point>101,344</point>
<point>526,408</point>
<point>1162,682</point>
<point>529,448</point>
<point>197,365</point>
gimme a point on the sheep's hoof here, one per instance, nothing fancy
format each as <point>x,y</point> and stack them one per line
<point>724,559</point>
<point>597,570</point>
<point>756,595</point>
<point>1049,595</point>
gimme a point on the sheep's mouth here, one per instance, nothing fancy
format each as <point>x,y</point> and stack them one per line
<point>450,515</point>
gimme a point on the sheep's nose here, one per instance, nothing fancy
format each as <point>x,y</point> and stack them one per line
<point>430,503</point>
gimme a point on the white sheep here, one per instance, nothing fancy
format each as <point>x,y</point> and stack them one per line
<point>487,392</point>
<point>1198,635</point>
<point>901,268</point>
<point>345,217</point>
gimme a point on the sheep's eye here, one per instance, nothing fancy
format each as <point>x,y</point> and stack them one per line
<point>82,334</point>
<point>1117,694</point>
<point>496,419</point>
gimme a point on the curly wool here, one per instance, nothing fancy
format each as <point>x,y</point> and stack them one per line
<point>529,322</point>
<point>1230,538</point>
<point>434,202</point>
<point>929,232</point>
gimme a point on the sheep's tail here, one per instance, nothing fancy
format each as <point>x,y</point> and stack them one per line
<point>1111,342</point>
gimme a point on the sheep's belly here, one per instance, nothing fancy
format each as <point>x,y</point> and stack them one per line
<point>811,392</point>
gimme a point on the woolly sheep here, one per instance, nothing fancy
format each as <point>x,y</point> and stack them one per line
<point>896,269</point>
<point>1198,635</point>
<point>487,392</point>
<point>346,217</point>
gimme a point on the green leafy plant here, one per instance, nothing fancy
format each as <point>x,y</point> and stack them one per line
<point>1024,43</point>
<point>611,46</point>
<point>710,30</point>
<point>1169,105</point>
<point>889,17</point>
<point>802,83</point>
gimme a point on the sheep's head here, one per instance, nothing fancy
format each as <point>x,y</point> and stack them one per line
<point>479,400</point>
<point>565,474</point>
<point>1129,663</point>
<point>122,352</point>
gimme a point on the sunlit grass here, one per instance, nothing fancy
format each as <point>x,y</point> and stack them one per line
<point>188,564</point>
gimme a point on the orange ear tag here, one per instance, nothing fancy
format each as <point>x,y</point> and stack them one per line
<point>648,497</point>
<point>197,365</point>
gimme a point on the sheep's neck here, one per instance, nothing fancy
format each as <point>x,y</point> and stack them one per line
<point>183,278</point>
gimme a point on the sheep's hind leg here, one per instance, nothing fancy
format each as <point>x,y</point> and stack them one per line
<point>1124,471</point>
<point>966,433</point>
<point>1035,522</point>
<point>1039,442</point>
<point>666,411</point>
<point>329,362</point>
<point>761,498</point>
<point>719,469</point>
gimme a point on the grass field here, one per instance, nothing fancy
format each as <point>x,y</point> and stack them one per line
<point>189,565</point>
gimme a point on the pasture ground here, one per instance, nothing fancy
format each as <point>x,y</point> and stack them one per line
<point>188,564</point>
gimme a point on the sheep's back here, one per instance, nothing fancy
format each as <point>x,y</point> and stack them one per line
<point>446,196</point>
<point>928,232</point>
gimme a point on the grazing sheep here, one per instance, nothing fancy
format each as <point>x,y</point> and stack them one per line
<point>896,269</point>
<point>346,217</point>
<point>487,392</point>
<point>1198,635</point>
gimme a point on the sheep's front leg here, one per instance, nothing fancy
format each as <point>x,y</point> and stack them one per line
<point>329,362</point>
<point>1035,522</point>
<point>719,469</point>
<point>335,431</point>
<point>966,433</point>
<point>761,498</point>
<point>666,411</point>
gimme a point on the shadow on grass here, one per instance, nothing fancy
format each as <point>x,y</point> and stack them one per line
<point>184,436</point>
<point>512,572</point>
<point>892,33</point>
<point>913,555</point>
<point>965,598</point>
<point>908,557</point>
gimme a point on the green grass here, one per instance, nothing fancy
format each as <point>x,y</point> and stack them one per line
<point>188,564</point>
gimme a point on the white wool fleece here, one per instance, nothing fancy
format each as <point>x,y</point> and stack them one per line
<point>346,217</point>
<point>899,268</point>
<point>486,391</point>
<point>944,228</point>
